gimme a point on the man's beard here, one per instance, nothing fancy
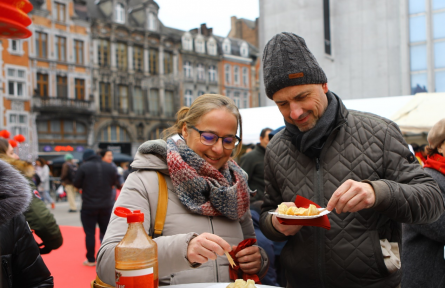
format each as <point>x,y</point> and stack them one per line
<point>308,126</point>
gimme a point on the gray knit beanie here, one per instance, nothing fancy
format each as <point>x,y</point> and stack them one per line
<point>288,62</point>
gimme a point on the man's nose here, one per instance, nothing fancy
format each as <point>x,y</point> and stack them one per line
<point>295,111</point>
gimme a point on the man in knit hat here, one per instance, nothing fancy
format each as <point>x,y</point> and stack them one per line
<point>356,164</point>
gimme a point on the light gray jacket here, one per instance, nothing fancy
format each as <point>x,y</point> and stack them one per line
<point>140,192</point>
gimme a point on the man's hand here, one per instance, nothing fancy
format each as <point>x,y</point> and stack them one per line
<point>249,259</point>
<point>287,230</point>
<point>205,247</point>
<point>352,196</point>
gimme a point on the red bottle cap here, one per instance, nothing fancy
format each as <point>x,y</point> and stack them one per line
<point>132,217</point>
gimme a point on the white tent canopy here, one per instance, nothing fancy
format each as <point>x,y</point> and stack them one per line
<point>255,119</point>
<point>420,113</point>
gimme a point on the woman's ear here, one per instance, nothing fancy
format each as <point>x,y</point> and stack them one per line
<point>184,132</point>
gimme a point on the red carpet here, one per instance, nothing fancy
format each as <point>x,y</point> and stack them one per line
<point>65,263</point>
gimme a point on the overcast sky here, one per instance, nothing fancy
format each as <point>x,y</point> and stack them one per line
<point>189,14</point>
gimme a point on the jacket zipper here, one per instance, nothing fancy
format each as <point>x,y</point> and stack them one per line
<point>8,275</point>
<point>216,260</point>
<point>320,233</point>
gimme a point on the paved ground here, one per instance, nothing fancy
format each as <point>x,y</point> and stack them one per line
<point>63,217</point>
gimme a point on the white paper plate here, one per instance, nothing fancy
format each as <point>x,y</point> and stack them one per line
<point>325,212</point>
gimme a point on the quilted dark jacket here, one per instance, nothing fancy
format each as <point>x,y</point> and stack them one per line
<point>362,147</point>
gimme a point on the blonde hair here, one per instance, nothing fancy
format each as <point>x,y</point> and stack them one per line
<point>201,106</point>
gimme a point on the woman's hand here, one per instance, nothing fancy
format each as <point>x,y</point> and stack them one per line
<point>249,259</point>
<point>205,247</point>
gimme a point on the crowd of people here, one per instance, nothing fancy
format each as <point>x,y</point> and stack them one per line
<point>386,201</point>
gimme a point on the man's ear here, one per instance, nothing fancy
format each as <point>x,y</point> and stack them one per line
<point>325,87</point>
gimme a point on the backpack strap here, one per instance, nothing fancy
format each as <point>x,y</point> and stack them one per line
<point>161,211</point>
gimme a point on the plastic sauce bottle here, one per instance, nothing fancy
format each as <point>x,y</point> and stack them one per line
<point>136,255</point>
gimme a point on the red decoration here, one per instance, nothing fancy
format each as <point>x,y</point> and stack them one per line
<point>63,148</point>
<point>5,134</point>
<point>13,19</point>
<point>13,143</point>
<point>19,138</point>
<point>236,272</point>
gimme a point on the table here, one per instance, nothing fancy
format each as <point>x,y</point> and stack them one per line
<point>212,285</point>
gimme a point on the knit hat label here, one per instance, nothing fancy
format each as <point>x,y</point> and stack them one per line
<point>296,75</point>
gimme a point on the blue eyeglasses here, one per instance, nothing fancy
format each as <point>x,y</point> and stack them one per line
<point>210,138</point>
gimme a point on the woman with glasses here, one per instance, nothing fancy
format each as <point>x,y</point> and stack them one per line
<point>208,198</point>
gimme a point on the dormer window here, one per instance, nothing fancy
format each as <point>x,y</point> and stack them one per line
<point>244,50</point>
<point>211,47</point>
<point>199,44</point>
<point>119,13</point>
<point>226,46</point>
<point>187,42</point>
<point>152,21</point>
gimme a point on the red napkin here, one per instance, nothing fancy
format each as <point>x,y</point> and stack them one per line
<point>236,272</point>
<point>322,221</point>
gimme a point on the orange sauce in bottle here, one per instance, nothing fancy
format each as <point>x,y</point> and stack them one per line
<point>136,255</point>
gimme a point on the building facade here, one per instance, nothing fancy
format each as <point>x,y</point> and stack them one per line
<point>366,48</point>
<point>59,58</point>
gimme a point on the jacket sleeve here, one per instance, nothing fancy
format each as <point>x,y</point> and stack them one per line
<point>172,250</point>
<point>64,173</point>
<point>29,270</point>
<point>78,180</point>
<point>42,221</point>
<point>405,193</point>
<point>247,165</point>
<point>272,198</point>
<point>249,232</point>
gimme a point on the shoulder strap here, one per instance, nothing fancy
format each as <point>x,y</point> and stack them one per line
<point>161,211</point>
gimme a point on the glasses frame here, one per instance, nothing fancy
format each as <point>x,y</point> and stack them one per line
<point>200,139</point>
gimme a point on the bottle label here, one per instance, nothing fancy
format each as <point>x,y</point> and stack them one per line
<point>135,278</point>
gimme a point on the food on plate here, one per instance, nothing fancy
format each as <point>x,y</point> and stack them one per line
<point>240,283</point>
<point>296,211</point>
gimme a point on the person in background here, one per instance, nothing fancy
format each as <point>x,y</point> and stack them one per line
<point>43,171</point>
<point>423,261</point>
<point>253,164</point>
<point>422,154</point>
<point>250,148</point>
<point>208,198</point>
<point>22,265</point>
<point>6,149</point>
<point>96,178</point>
<point>127,170</point>
<point>67,176</point>
<point>355,164</point>
<point>107,156</point>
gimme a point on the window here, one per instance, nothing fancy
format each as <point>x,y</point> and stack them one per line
<point>105,97</point>
<point>236,74</point>
<point>42,84</point>
<point>156,133</point>
<point>15,47</point>
<point>152,21</point>
<point>440,81</point>
<point>61,48</point>
<point>245,76</point>
<point>69,130</point>
<point>60,12</point>
<point>211,47</point>
<point>438,4</point>
<point>439,54</point>
<point>78,52</point>
<point>16,79</point>
<point>79,89</point>
<point>169,104</point>
<point>227,73</point>
<point>226,46</point>
<point>18,124</point>
<point>418,57</point>
<point>103,53</point>
<point>138,58</point>
<point>121,56</point>
<point>168,63</point>
<point>200,72</point>
<point>119,13</point>
<point>419,83</point>
<point>244,50</point>
<point>188,98</point>
<point>212,73</point>
<point>201,93</point>
<point>416,6</point>
<point>417,28</point>
<point>199,44</point>
<point>138,101</point>
<point>188,73</point>
<point>41,45</point>
<point>153,63</point>
<point>245,100</point>
<point>187,41</point>
<point>123,99</point>
<point>236,99</point>
<point>62,87</point>
<point>153,102</point>
<point>114,133</point>
<point>438,25</point>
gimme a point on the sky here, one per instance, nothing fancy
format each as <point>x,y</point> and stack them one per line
<point>189,14</point>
